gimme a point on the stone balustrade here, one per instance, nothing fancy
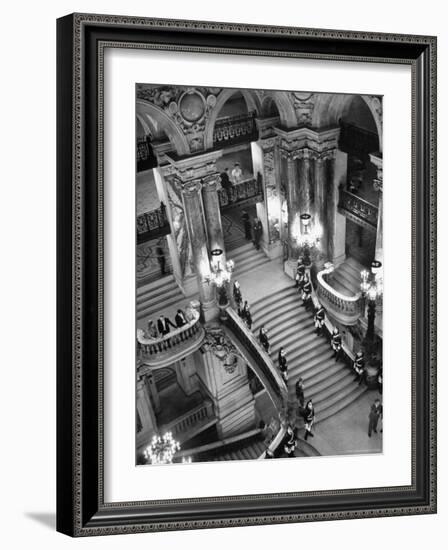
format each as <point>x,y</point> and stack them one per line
<point>346,309</point>
<point>358,209</point>
<point>159,352</point>
<point>152,224</point>
<point>235,129</point>
<point>190,420</point>
<point>245,191</point>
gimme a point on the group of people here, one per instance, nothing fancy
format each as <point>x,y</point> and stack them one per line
<point>243,309</point>
<point>163,325</point>
<point>231,178</point>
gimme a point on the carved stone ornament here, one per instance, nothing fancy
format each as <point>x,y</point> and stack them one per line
<point>217,342</point>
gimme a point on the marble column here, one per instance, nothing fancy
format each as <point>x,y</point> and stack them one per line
<point>304,180</point>
<point>378,185</point>
<point>212,213</point>
<point>319,206</point>
<point>191,195</point>
<point>331,206</point>
<point>293,200</point>
<point>145,413</point>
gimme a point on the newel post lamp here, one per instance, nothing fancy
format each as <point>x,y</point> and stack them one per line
<point>220,275</point>
<point>308,239</point>
<point>372,290</point>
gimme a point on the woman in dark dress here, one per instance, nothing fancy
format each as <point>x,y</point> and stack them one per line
<point>264,340</point>
<point>309,417</point>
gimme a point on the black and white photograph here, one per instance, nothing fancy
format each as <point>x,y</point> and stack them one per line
<point>259,274</point>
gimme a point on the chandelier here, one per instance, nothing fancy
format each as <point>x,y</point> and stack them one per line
<point>372,282</point>
<point>162,449</point>
<point>219,274</point>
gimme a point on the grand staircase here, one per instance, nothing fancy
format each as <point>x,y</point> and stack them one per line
<point>157,296</point>
<point>330,385</point>
<point>346,278</point>
<point>253,448</point>
<point>246,259</point>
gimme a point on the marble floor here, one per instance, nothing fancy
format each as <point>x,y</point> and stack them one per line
<point>346,432</point>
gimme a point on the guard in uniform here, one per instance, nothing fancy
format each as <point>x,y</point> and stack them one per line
<point>359,367</point>
<point>237,296</point>
<point>319,319</point>
<point>306,294</point>
<point>283,364</point>
<point>336,343</point>
<point>264,340</point>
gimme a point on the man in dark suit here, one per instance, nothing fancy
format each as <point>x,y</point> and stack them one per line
<point>258,231</point>
<point>180,319</point>
<point>376,410</point>
<point>226,183</point>
<point>163,325</point>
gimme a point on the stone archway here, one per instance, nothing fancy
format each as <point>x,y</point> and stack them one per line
<point>330,108</point>
<point>252,103</point>
<point>150,112</point>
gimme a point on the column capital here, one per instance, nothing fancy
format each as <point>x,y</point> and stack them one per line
<point>189,188</point>
<point>211,182</point>
<point>377,160</point>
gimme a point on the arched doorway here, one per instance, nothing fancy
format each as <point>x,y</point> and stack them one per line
<point>358,139</point>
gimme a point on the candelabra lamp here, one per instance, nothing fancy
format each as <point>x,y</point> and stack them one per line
<point>308,239</point>
<point>220,275</point>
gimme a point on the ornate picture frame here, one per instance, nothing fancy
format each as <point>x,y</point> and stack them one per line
<point>81,43</point>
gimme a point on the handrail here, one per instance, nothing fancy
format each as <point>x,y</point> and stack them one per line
<point>258,359</point>
<point>153,221</point>
<point>152,346</point>
<point>321,280</point>
<point>359,208</point>
<point>328,324</point>
<point>248,188</point>
<point>190,418</point>
<point>234,128</point>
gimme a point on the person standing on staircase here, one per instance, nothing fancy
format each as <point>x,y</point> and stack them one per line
<point>309,417</point>
<point>264,340</point>
<point>160,253</point>
<point>336,343</point>
<point>248,318</point>
<point>258,231</point>
<point>290,442</point>
<point>237,296</point>
<point>319,320</point>
<point>300,274</point>
<point>246,224</point>
<point>376,410</point>
<point>359,367</point>
<point>307,302</point>
<point>283,364</point>
<point>300,393</point>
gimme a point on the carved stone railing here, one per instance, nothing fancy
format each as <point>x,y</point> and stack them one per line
<point>346,309</point>
<point>258,360</point>
<point>160,352</point>
<point>235,129</point>
<point>247,191</point>
<point>145,155</point>
<point>357,209</point>
<point>153,224</point>
<point>348,355</point>
<point>190,421</point>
